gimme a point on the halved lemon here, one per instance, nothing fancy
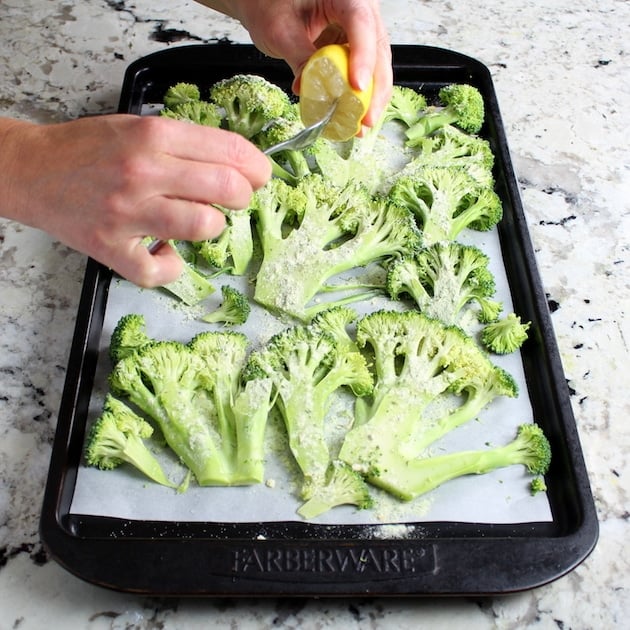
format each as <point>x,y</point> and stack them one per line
<point>324,81</point>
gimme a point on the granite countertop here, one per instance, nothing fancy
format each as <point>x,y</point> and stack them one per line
<point>563,85</point>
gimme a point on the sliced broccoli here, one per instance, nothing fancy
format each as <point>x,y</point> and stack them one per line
<point>181,93</point>
<point>445,201</point>
<point>306,369</point>
<point>421,365</point>
<point>193,392</point>
<point>192,286</point>
<point>288,164</point>
<point>343,486</point>
<point>460,104</point>
<point>529,448</point>
<point>406,105</point>
<point>183,102</point>
<point>129,334</point>
<point>338,230</point>
<point>234,308</point>
<point>443,278</point>
<point>451,147</point>
<point>249,102</point>
<point>117,436</point>
<point>537,485</point>
<point>505,335</point>
<point>232,251</point>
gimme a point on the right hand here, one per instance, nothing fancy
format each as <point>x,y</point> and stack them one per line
<point>102,184</point>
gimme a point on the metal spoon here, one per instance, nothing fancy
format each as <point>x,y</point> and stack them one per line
<point>299,141</point>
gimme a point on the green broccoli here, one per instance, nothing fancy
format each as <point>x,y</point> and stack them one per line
<point>288,164</point>
<point>445,201</point>
<point>249,102</point>
<point>232,251</point>
<point>460,104</point>
<point>234,308</point>
<point>193,392</point>
<point>117,436</point>
<point>181,93</point>
<point>406,105</point>
<point>129,334</point>
<point>338,230</point>
<point>183,102</point>
<point>451,147</point>
<point>505,335</point>
<point>429,379</point>
<point>443,279</point>
<point>343,486</point>
<point>307,368</point>
<point>192,286</point>
<point>537,485</point>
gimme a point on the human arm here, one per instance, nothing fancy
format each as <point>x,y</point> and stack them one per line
<point>292,30</point>
<point>101,184</point>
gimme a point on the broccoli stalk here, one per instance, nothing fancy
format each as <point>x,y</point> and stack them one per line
<point>339,230</point>
<point>249,103</point>
<point>233,310</point>
<point>415,477</point>
<point>419,364</point>
<point>192,286</point>
<point>505,335</point>
<point>192,392</point>
<point>443,278</point>
<point>460,104</point>
<point>117,436</point>
<point>307,368</point>
<point>445,201</point>
<point>233,249</point>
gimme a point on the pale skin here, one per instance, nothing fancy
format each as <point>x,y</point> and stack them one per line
<point>101,184</point>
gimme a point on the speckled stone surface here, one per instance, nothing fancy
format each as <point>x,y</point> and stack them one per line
<point>561,74</point>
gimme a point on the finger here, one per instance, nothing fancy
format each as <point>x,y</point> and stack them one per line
<point>166,218</point>
<point>206,145</point>
<point>147,269</point>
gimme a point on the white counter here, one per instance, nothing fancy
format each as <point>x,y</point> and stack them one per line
<point>560,71</point>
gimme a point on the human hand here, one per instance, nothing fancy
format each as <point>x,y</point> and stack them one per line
<point>293,29</point>
<point>102,184</point>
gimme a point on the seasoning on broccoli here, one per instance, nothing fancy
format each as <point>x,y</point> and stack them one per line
<point>117,436</point>
<point>505,335</point>
<point>233,310</point>
<point>460,104</point>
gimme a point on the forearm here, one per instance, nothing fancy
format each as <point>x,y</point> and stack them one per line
<point>226,7</point>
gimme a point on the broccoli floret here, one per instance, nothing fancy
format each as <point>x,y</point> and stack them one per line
<point>451,147</point>
<point>306,369</point>
<point>529,448</point>
<point>443,279</point>
<point>192,286</point>
<point>338,230</point>
<point>343,486</point>
<point>129,334</point>
<point>288,164</point>
<point>118,436</point>
<point>249,103</point>
<point>460,104</point>
<point>183,102</point>
<point>405,105</point>
<point>181,93</point>
<point>420,365</point>
<point>505,335</point>
<point>234,308</point>
<point>445,201</point>
<point>232,251</point>
<point>193,393</point>
<point>537,485</point>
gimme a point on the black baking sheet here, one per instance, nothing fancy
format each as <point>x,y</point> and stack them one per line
<point>432,557</point>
